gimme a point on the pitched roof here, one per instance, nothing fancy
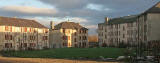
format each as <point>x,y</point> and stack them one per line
<point>154,9</point>
<point>8,21</point>
<point>120,20</point>
<point>69,25</point>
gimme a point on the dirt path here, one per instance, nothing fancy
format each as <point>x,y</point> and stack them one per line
<point>41,60</point>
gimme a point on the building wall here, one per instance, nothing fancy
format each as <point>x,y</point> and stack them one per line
<point>55,39</point>
<point>115,34</point>
<point>69,38</point>
<point>22,38</point>
<point>145,29</point>
<point>149,27</point>
<point>153,22</point>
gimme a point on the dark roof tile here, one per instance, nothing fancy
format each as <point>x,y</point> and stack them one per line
<point>154,9</point>
<point>69,25</point>
<point>20,22</point>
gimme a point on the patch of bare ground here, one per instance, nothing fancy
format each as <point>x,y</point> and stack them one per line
<point>44,60</point>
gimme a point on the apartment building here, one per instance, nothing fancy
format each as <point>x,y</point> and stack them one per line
<point>22,34</point>
<point>118,31</point>
<point>139,30</point>
<point>149,25</point>
<point>68,34</point>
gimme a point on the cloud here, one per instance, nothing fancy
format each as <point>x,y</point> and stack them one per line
<point>30,10</point>
<point>26,11</point>
<point>91,26</point>
<point>79,20</point>
<point>66,4</point>
<point>95,7</point>
<point>87,12</point>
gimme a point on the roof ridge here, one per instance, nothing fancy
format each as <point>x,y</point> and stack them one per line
<point>19,22</point>
<point>152,9</point>
<point>16,18</point>
<point>68,25</point>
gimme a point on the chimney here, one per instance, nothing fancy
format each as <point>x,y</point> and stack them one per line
<point>106,20</point>
<point>52,24</point>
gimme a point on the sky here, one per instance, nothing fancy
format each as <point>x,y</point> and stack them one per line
<point>86,12</point>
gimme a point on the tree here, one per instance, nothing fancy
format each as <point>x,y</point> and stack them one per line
<point>93,38</point>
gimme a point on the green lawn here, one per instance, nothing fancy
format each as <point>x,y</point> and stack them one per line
<point>90,53</point>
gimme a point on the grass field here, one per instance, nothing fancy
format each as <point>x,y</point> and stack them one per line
<point>90,53</point>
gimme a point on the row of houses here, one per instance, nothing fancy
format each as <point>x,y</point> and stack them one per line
<point>131,30</point>
<point>24,34</point>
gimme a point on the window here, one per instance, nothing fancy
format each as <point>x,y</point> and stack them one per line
<point>76,45</point>
<point>64,37</point>
<point>24,37</point>
<point>84,38</point>
<point>123,28</point>
<point>21,29</point>
<point>45,38</point>
<point>25,29</point>
<point>128,32</point>
<point>116,26</point>
<point>35,30</point>
<point>105,36</point>
<point>8,37</point>
<point>10,28</point>
<point>145,28</point>
<point>79,37</point>
<point>75,34</point>
<point>30,30</point>
<point>32,44</point>
<point>83,44</point>
<point>64,44</point>
<point>80,44</point>
<point>8,45</point>
<point>84,31</point>
<point>145,17</point>
<point>32,37</point>
<point>80,31</point>
<point>45,31</point>
<point>6,28</point>
<point>75,40</point>
<point>25,44</point>
<point>68,31</point>
<point>69,38</point>
<point>69,44</point>
<point>64,30</point>
<point>123,35</point>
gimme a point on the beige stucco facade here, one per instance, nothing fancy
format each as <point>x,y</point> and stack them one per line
<point>144,30</point>
<point>117,34</point>
<point>22,38</point>
<point>149,27</point>
<point>61,38</point>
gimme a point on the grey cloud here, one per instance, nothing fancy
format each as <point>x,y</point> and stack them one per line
<point>66,4</point>
<point>26,11</point>
<point>77,8</point>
